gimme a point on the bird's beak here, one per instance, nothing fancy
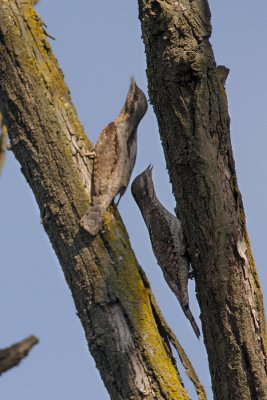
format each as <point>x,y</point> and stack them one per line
<point>132,84</point>
<point>149,169</point>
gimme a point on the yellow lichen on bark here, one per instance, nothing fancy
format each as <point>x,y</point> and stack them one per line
<point>102,272</point>
<point>135,296</point>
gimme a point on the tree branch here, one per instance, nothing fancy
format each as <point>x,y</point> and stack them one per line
<point>187,92</point>
<point>112,297</point>
<point>13,355</point>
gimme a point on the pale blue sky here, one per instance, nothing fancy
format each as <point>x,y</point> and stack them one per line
<point>99,46</point>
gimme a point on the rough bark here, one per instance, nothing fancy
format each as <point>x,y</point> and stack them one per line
<point>126,334</point>
<point>13,355</point>
<point>187,92</point>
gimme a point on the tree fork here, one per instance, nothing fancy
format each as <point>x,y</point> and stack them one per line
<point>187,92</point>
<point>112,296</point>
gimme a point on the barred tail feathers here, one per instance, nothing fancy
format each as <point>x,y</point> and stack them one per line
<point>191,319</point>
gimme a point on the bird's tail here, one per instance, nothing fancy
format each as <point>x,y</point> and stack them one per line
<point>191,319</point>
<point>92,219</point>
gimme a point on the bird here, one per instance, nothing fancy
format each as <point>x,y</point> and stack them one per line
<point>167,240</point>
<point>114,160</point>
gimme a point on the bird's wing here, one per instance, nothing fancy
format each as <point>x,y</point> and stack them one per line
<point>169,250</point>
<point>106,158</point>
<point>158,229</point>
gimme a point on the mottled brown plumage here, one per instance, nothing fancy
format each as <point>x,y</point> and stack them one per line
<point>167,240</point>
<point>115,155</point>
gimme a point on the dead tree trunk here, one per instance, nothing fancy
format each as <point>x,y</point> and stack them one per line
<point>188,95</point>
<point>126,333</point>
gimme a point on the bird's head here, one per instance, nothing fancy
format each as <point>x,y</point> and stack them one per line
<point>135,105</point>
<point>142,186</point>
<point>143,193</point>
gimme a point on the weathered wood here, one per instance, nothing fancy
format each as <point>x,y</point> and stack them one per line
<point>188,95</point>
<point>13,355</point>
<point>114,302</point>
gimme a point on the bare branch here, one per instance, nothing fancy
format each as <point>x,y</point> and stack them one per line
<point>13,355</point>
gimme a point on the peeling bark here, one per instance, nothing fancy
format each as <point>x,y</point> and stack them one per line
<point>111,294</point>
<point>13,355</point>
<point>187,92</point>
